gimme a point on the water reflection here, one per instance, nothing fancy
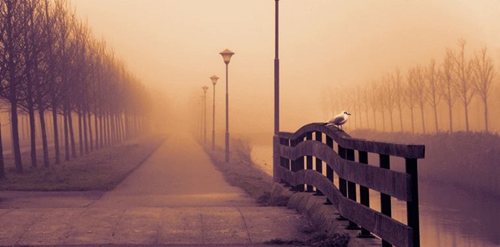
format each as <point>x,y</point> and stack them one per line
<point>449,216</point>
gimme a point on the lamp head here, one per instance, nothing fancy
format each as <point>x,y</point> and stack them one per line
<point>214,79</point>
<point>205,88</point>
<point>226,55</point>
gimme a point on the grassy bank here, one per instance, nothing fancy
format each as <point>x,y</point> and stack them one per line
<point>243,173</point>
<point>100,170</point>
<point>468,160</point>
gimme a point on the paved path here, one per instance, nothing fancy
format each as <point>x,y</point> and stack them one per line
<point>176,197</point>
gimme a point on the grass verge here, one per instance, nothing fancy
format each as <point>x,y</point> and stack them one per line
<point>100,170</point>
<point>243,173</point>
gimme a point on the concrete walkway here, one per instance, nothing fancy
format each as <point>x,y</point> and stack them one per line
<point>177,197</point>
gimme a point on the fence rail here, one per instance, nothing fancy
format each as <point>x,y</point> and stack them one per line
<point>299,159</point>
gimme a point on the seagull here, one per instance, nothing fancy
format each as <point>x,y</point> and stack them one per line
<point>340,119</point>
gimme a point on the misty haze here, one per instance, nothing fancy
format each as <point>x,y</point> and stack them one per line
<point>164,122</point>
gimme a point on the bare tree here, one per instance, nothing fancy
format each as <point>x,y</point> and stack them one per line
<point>374,102</point>
<point>33,41</point>
<point>433,88</point>
<point>359,104</point>
<point>410,96</point>
<point>448,80</point>
<point>484,72</point>
<point>398,86</point>
<point>11,43</point>
<point>387,97</point>
<point>464,85</point>
<point>419,89</point>
<point>366,101</point>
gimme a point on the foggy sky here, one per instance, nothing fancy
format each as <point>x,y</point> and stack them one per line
<point>174,45</point>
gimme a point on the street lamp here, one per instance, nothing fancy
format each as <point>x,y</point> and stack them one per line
<point>226,55</point>
<point>276,156</point>
<point>214,79</point>
<point>205,88</point>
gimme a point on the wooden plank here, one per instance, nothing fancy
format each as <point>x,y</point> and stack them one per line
<point>410,151</point>
<point>396,184</point>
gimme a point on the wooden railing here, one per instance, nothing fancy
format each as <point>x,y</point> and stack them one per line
<point>294,154</point>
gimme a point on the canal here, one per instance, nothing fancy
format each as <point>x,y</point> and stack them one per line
<point>449,216</point>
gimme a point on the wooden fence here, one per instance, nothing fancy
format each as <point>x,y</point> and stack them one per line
<point>299,159</point>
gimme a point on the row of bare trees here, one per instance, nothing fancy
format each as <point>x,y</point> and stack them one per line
<point>454,82</point>
<point>51,64</point>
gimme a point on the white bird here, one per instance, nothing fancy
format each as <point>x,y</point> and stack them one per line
<point>340,119</point>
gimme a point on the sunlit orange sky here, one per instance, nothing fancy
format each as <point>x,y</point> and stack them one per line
<point>174,45</point>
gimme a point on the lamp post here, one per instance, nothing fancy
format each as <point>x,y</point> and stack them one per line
<point>214,79</point>
<point>276,157</point>
<point>205,88</point>
<point>226,56</point>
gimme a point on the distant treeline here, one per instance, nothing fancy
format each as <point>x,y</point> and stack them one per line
<point>429,90</point>
<point>50,63</point>
<point>469,160</point>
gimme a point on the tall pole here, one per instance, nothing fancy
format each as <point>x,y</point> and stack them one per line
<point>201,117</point>
<point>227,115</point>
<point>226,56</point>
<point>205,88</point>
<point>276,156</point>
<point>213,121</point>
<point>214,79</point>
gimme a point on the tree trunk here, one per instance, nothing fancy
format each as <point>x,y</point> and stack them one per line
<point>436,119</point>
<point>113,129</point>
<point>2,164</point>
<point>96,130</point>
<point>423,117</point>
<point>31,114</point>
<point>71,134</point>
<point>392,124</point>
<point>80,134</point>
<point>109,130</point>
<point>375,119</point>
<point>15,137</point>
<point>101,131</point>
<point>66,136</point>
<point>450,112</point>
<point>56,135</point>
<point>412,122</point>
<point>383,122</point>
<point>90,132</point>
<point>45,145</point>
<point>85,136</point>
<point>485,101</point>
<point>401,118</point>
<point>121,126</point>
<point>466,106</point>
<point>23,133</point>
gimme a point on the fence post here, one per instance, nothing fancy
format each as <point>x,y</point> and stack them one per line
<point>285,163</point>
<point>364,194</point>
<point>309,162</point>
<point>351,189</point>
<point>329,170</point>
<point>342,182</point>
<point>319,162</point>
<point>385,200</point>
<point>412,205</point>
<point>276,158</point>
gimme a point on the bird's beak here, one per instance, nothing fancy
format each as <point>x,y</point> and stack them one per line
<point>348,114</point>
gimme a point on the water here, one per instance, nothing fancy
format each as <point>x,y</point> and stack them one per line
<point>449,216</point>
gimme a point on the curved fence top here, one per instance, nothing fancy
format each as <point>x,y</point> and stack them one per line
<point>410,151</point>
